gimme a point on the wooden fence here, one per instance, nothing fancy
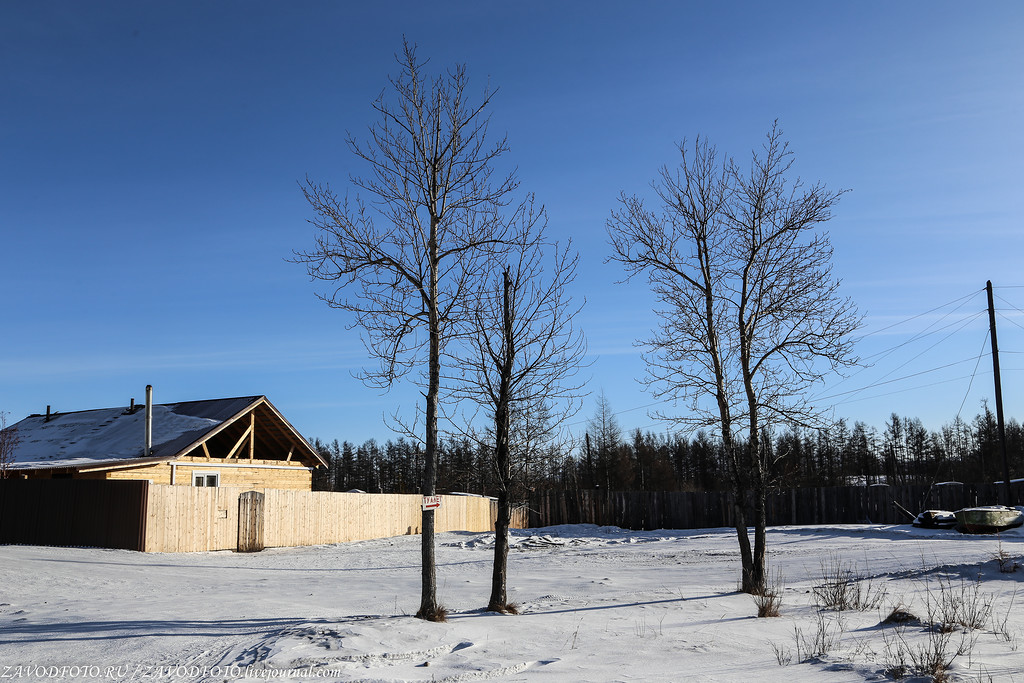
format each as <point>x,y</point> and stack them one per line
<point>708,509</point>
<point>106,514</point>
<point>185,518</point>
<point>137,515</point>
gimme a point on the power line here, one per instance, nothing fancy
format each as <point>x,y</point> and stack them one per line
<point>901,391</point>
<point>1008,303</point>
<point>914,317</point>
<point>902,365</point>
<point>896,379</point>
<point>920,335</point>
<point>1010,320</point>
<point>971,383</point>
<point>960,325</point>
<point>925,333</point>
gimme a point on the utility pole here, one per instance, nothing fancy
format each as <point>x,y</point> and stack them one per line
<point>1007,500</point>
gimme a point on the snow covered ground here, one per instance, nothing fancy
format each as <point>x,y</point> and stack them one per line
<point>598,604</point>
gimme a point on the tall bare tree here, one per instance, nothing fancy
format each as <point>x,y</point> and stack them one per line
<point>521,358</point>
<point>752,316</point>
<point>404,262</point>
<point>9,440</point>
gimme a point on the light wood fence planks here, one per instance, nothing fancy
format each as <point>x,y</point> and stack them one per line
<point>188,519</point>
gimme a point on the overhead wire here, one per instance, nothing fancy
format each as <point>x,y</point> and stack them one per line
<point>882,379</point>
<point>915,317</point>
<point>897,379</point>
<point>901,391</point>
<point>961,324</point>
<point>884,353</point>
<point>1007,303</point>
<point>971,383</point>
<point>1011,321</point>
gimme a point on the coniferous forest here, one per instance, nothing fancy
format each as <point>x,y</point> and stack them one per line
<point>902,451</point>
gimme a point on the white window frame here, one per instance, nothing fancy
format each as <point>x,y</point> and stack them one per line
<point>199,475</point>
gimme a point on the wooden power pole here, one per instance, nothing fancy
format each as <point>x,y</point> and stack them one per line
<point>1007,500</point>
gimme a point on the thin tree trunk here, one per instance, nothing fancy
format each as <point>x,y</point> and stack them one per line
<point>502,457</point>
<point>740,506</point>
<point>428,596</point>
<point>499,597</point>
<point>759,567</point>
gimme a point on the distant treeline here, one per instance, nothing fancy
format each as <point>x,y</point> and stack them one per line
<point>902,452</point>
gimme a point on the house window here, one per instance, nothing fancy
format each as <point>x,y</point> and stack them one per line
<point>206,478</point>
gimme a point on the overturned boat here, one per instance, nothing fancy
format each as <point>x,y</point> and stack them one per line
<point>935,519</point>
<point>988,519</point>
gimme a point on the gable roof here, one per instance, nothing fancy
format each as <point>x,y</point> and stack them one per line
<point>108,437</point>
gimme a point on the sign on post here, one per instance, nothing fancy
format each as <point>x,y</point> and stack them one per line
<point>431,502</point>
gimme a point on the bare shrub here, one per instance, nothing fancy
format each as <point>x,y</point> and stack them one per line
<point>769,598</point>
<point>930,657</point>
<point>952,616</point>
<point>961,604</point>
<point>768,603</point>
<point>1001,626</point>
<point>896,654</point>
<point>1007,563</point>
<point>783,655</point>
<point>843,587</point>
<point>827,635</point>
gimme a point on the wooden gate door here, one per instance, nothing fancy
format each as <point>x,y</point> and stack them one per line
<point>250,522</point>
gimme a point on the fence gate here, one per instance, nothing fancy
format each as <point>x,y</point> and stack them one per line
<point>250,522</point>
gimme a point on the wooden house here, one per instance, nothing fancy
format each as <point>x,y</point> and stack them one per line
<point>241,441</point>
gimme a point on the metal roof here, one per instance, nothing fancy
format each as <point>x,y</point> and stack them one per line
<point>94,439</point>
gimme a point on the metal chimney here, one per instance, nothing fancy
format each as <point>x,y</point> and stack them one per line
<point>149,420</point>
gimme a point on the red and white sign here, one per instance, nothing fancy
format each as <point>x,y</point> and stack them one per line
<point>431,502</point>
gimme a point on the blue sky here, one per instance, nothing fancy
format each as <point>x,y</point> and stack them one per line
<point>150,154</point>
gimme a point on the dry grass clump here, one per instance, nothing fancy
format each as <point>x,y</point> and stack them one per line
<point>900,615</point>
<point>768,603</point>
<point>769,598</point>
<point>438,614</point>
<point>507,608</point>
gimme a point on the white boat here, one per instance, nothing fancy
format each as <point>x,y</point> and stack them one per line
<point>935,519</point>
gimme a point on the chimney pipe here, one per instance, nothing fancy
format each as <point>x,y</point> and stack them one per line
<point>149,420</point>
<point>131,407</point>
<point>47,414</point>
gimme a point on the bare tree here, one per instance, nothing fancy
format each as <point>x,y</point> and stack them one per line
<point>752,316</point>
<point>520,361</point>
<point>9,440</point>
<point>404,263</point>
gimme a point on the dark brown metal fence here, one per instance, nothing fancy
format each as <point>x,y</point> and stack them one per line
<point>74,512</point>
<point>709,509</point>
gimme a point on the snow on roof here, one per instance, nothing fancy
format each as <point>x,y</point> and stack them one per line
<point>108,435</point>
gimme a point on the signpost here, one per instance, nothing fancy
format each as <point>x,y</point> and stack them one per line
<point>431,502</point>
